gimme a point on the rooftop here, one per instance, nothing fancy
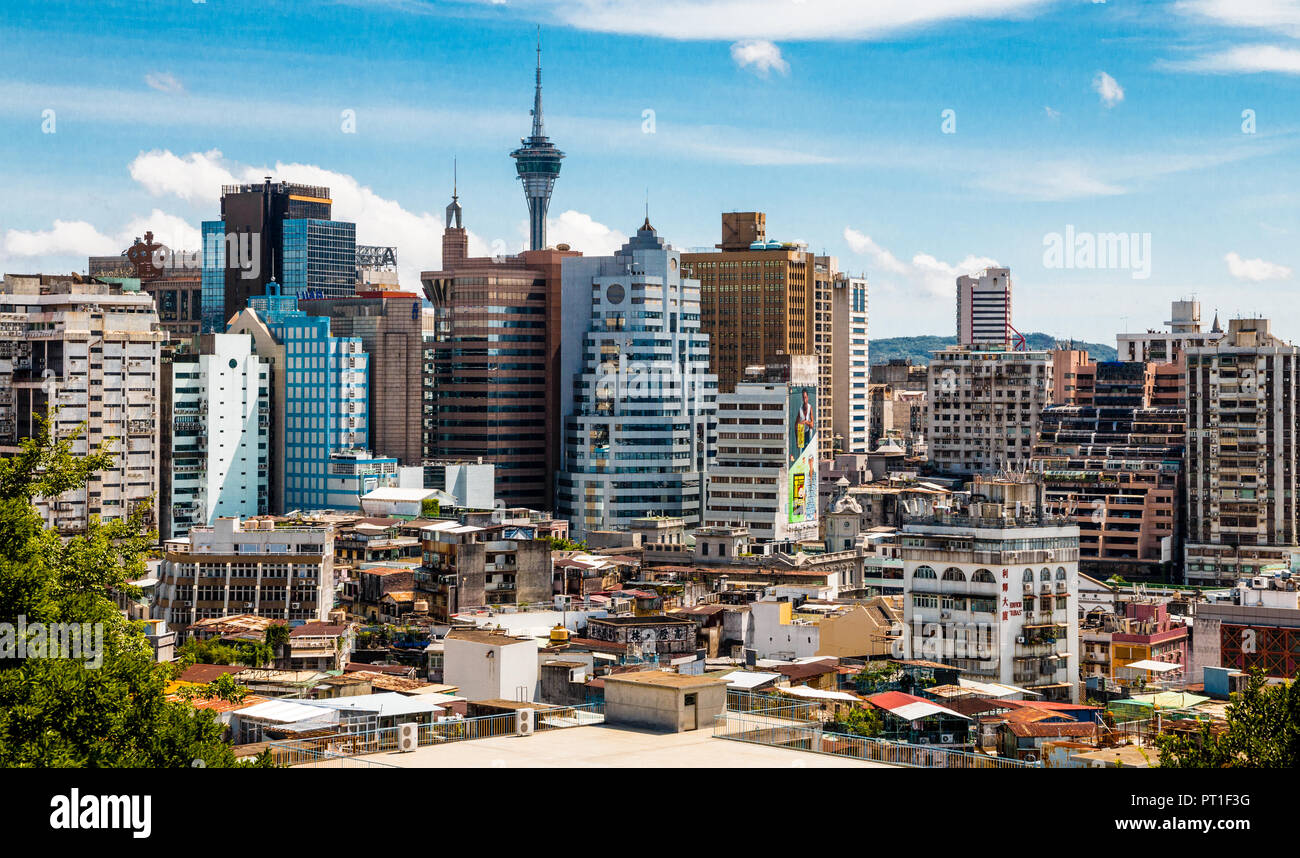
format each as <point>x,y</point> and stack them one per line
<point>664,679</point>
<point>608,746</point>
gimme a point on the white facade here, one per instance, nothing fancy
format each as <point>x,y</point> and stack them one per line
<point>251,567</point>
<point>1184,331</point>
<point>749,482</point>
<point>92,349</point>
<point>773,638</point>
<point>985,407</point>
<point>640,402</point>
<point>997,598</point>
<point>984,308</point>
<point>220,433</point>
<point>852,374</point>
<point>490,666</point>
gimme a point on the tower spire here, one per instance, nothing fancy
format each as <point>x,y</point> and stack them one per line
<point>538,128</point>
<point>537,162</point>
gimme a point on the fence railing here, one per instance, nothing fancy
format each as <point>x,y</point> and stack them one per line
<point>772,705</point>
<point>330,750</point>
<point>782,733</point>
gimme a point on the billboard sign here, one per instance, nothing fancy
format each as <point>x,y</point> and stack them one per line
<point>801,491</point>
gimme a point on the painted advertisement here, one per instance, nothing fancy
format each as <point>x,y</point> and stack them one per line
<point>801,499</point>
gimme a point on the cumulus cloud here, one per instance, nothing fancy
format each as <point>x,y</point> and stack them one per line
<point>760,56</point>
<point>63,238</point>
<point>196,177</point>
<point>1108,88</point>
<point>164,82</point>
<point>1255,270</point>
<point>925,273</point>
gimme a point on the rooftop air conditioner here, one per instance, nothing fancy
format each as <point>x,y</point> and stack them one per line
<point>408,737</point>
<point>524,722</point>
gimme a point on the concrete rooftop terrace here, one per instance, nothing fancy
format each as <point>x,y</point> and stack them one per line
<point>605,746</point>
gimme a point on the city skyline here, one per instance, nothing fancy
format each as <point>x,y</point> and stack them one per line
<point>837,132</point>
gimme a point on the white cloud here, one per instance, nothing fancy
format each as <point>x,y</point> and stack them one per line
<point>580,232</point>
<point>164,82</point>
<point>1255,270</point>
<point>734,20</point>
<point>924,273</point>
<point>1282,16</point>
<point>863,244</point>
<point>76,237</point>
<point>1051,114</point>
<point>1246,59</point>
<point>1108,88</point>
<point>760,55</point>
<point>197,177</point>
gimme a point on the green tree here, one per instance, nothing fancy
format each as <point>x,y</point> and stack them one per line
<point>561,544</point>
<point>107,711</point>
<point>875,676</point>
<point>277,635</point>
<point>862,721</point>
<point>1263,731</point>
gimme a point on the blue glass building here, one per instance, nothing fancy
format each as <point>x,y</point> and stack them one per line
<point>320,258</point>
<point>213,283</point>
<point>326,410</point>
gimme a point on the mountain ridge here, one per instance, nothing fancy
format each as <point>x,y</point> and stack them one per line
<point>919,348</point>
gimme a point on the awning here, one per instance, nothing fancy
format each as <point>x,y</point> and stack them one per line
<point>1154,666</point>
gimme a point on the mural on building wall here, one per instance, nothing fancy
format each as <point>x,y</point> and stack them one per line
<point>801,498</point>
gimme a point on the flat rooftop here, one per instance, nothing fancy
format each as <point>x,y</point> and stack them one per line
<point>606,746</point>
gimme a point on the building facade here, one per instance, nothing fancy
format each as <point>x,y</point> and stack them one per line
<point>248,567</point>
<point>984,407</point>
<point>640,403</point>
<point>984,308</point>
<point>92,350</point>
<point>851,378</point>
<point>216,414</point>
<point>1241,453</point>
<point>764,476</point>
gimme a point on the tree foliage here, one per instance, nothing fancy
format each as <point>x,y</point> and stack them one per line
<point>1263,732</point>
<point>862,721</point>
<point>65,711</point>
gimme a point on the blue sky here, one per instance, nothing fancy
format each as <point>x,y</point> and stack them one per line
<point>1115,117</point>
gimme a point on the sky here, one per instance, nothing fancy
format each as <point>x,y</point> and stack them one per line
<point>1116,155</point>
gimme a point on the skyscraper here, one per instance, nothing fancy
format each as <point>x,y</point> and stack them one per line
<point>851,379</point>
<point>274,232</point>
<point>492,354</point>
<point>538,163</point>
<point>640,402</point>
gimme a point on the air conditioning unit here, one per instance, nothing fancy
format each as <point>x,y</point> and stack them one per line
<point>524,722</point>
<point>948,739</point>
<point>408,737</point>
<point>295,604</point>
<point>945,615</point>
<point>1020,639</point>
<point>923,740</point>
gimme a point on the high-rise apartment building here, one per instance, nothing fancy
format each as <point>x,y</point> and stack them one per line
<point>640,402</point>
<point>851,371</point>
<point>492,355</point>
<point>1184,331</point>
<point>984,407</point>
<point>389,327</point>
<point>217,432</point>
<point>984,308</point>
<point>764,475</point>
<point>92,350</point>
<point>327,464</point>
<point>1241,453</point>
<point>282,572</point>
<point>1116,470</point>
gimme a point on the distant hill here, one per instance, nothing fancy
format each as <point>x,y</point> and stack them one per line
<point>919,348</point>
